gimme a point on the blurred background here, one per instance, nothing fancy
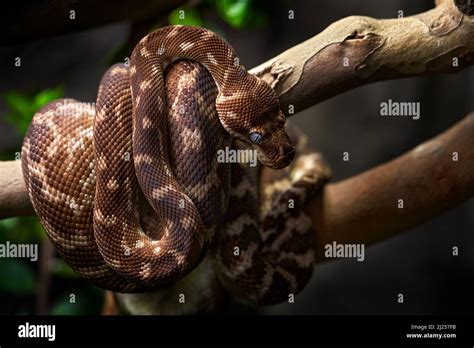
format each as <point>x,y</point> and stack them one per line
<point>418,263</point>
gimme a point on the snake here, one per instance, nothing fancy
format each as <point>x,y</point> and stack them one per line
<point>129,189</point>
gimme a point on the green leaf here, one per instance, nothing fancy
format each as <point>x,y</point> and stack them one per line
<point>17,277</point>
<point>185,16</point>
<point>8,224</point>
<point>23,107</point>
<point>234,12</point>
<point>18,103</point>
<point>61,269</point>
<point>242,13</point>
<point>47,95</point>
<point>21,230</point>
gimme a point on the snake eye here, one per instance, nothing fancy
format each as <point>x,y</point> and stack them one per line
<point>256,137</point>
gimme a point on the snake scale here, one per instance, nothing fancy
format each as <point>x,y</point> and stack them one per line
<point>131,193</point>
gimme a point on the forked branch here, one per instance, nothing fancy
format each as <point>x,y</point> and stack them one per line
<point>352,52</point>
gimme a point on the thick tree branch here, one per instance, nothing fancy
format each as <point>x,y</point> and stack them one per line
<point>432,178</point>
<point>14,200</point>
<point>361,209</point>
<point>359,50</point>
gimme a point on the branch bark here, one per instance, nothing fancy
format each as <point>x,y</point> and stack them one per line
<point>355,51</point>
<point>14,200</point>
<point>363,208</point>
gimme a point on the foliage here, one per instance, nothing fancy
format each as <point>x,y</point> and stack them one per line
<point>19,276</point>
<point>238,14</point>
<point>23,107</point>
<point>86,301</point>
<point>186,16</point>
<point>241,13</point>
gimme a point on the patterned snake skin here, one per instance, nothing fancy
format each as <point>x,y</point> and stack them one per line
<point>132,195</point>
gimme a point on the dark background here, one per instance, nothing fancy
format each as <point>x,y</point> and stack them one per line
<point>417,263</point>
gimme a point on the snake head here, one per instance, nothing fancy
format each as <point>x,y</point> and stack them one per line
<point>251,113</point>
<point>268,137</point>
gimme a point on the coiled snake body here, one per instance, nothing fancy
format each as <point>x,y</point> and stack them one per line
<point>131,194</point>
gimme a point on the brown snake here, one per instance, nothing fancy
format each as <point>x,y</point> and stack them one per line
<point>131,192</point>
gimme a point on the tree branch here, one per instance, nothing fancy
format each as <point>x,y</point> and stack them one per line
<point>426,179</point>
<point>31,20</point>
<point>355,51</point>
<point>364,208</point>
<point>14,200</point>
